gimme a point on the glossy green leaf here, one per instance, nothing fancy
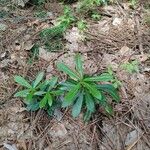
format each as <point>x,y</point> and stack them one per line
<point>38,79</point>
<point>22,93</point>
<point>93,90</point>
<point>89,102</point>
<point>77,106</point>
<point>32,106</point>
<point>49,99</point>
<point>39,93</point>
<point>67,70</point>
<point>42,86</point>
<point>66,86</point>
<point>30,96</point>
<point>43,102</point>
<point>109,109</point>
<point>103,77</point>
<point>70,96</point>
<point>87,115</point>
<point>110,90</point>
<point>57,92</point>
<point>52,82</point>
<point>20,80</point>
<point>79,64</point>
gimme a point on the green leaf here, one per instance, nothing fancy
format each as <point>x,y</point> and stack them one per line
<point>87,115</point>
<point>42,86</point>
<point>30,96</point>
<point>93,90</point>
<point>32,106</point>
<point>22,93</point>
<point>50,99</point>
<point>79,64</point>
<point>57,92</point>
<point>67,70</point>
<point>43,102</point>
<point>70,96</point>
<point>77,106</point>
<point>52,82</point>
<point>110,90</point>
<point>66,86</point>
<point>20,80</point>
<point>102,77</point>
<point>39,93</point>
<point>89,102</point>
<point>109,109</point>
<point>38,79</point>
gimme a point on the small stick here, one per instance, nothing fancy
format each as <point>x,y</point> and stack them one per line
<point>139,34</point>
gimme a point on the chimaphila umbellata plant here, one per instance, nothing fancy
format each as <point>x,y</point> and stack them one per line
<point>39,94</point>
<point>84,91</point>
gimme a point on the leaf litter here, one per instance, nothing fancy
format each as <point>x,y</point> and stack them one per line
<point>113,41</point>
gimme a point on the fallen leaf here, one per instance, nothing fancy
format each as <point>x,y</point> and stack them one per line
<point>58,130</point>
<point>117,21</point>
<point>3,27</point>
<point>141,58</point>
<point>48,56</point>
<point>125,51</point>
<point>20,2</point>
<point>28,45</point>
<point>73,37</point>
<point>10,147</point>
<point>132,137</point>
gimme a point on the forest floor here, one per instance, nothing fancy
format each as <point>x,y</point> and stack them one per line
<point>121,35</point>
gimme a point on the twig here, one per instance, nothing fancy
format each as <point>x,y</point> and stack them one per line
<point>121,9</point>
<point>94,130</point>
<point>139,33</point>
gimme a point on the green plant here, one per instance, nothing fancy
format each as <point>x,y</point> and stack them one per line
<point>116,83</point>
<point>39,94</point>
<point>133,2</point>
<point>63,23</point>
<point>83,91</point>
<point>82,25</point>
<point>147,18</point>
<point>95,16</point>
<point>34,53</point>
<point>40,14</point>
<point>131,67</point>
<point>54,45</point>
<point>86,5</point>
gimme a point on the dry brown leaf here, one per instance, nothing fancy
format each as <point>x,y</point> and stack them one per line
<point>141,58</point>
<point>58,130</point>
<point>125,51</point>
<point>48,56</point>
<point>117,22</point>
<point>73,37</point>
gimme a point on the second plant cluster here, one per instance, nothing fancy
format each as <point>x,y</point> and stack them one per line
<point>80,91</point>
